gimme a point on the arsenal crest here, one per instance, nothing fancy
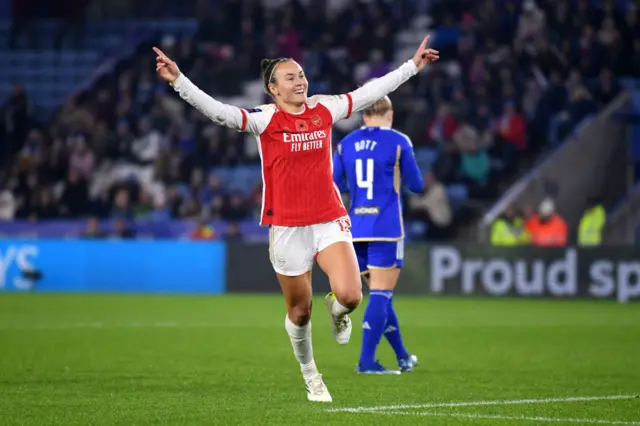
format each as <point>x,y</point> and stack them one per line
<point>316,121</point>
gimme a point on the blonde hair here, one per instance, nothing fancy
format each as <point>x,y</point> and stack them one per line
<point>379,108</point>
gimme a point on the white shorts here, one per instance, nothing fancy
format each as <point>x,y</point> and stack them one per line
<point>292,249</point>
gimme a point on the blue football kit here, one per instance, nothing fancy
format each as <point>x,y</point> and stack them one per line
<point>371,164</point>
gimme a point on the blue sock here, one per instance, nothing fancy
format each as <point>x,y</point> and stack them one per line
<point>392,332</point>
<point>375,318</point>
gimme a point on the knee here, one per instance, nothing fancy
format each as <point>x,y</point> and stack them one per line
<point>300,314</point>
<point>350,299</point>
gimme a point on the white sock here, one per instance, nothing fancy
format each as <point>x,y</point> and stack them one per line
<point>300,337</point>
<point>338,310</point>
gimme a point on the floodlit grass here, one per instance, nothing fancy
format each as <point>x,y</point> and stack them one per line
<point>226,360</point>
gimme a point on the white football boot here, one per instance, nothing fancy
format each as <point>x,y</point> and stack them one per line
<point>316,389</point>
<point>340,325</point>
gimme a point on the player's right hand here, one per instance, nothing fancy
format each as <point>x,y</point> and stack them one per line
<point>165,67</point>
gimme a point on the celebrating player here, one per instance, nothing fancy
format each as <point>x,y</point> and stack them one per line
<point>300,202</point>
<point>374,159</point>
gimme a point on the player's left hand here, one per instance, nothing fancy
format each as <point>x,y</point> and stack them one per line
<point>425,55</point>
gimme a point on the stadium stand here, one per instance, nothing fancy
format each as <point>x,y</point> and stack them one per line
<point>514,80</point>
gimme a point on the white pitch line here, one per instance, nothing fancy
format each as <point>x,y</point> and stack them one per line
<point>520,418</point>
<point>226,324</point>
<point>481,403</point>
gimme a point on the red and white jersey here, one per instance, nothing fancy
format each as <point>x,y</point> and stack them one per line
<point>295,149</point>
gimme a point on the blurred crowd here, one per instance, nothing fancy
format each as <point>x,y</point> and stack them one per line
<point>545,227</point>
<point>515,78</point>
<point>70,15</point>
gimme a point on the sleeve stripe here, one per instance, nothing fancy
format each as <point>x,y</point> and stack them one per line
<point>244,120</point>
<point>350,109</point>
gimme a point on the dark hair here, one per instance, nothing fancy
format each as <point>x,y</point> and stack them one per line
<point>267,66</point>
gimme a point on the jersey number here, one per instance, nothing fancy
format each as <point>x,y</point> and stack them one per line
<point>365,181</point>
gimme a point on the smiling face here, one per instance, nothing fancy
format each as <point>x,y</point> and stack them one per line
<point>288,84</point>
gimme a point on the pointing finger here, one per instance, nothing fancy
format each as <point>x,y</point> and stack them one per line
<point>424,43</point>
<point>159,52</point>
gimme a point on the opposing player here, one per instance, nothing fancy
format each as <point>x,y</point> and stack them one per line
<point>301,204</point>
<point>375,160</point>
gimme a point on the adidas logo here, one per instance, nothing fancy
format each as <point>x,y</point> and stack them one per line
<point>390,329</point>
<point>366,326</point>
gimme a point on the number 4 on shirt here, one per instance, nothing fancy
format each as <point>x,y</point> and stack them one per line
<point>365,181</point>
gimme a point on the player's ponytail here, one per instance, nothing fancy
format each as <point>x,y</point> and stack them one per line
<point>267,69</point>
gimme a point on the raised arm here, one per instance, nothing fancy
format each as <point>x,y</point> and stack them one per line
<point>374,90</point>
<point>218,112</point>
<point>343,106</point>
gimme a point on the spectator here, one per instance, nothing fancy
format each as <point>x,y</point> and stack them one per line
<point>213,189</point>
<point>146,147</point>
<point>443,126</point>
<point>474,168</point>
<point>161,212</point>
<point>509,229</point>
<point>203,231</point>
<point>378,67</point>
<point>234,209</point>
<point>82,159</point>
<point>92,230</point>
<point>466,137</point>
<point>433,209</point>
<point>143,209</point>
<point>75,196</point>
<point>45,207</point>
<point>7,203</point>
<point>592,223</point>
<point>581,106</point>
<point>233,233</point>
<point>548,229</point>
<point>121,230</point>
<point>531,100</point>
<point>122,206</point>
<point>25,190</point>
<point>606,88</point>
<point>532,22</point>
<point>512,130</point>
<point>190,209</point>
<point>416,115</point>
<point>100,206</point>
<point>31,151</point>
<point>483,124</point>
<point>503,232</point>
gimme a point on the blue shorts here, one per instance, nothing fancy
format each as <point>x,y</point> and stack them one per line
<point>379,254</point>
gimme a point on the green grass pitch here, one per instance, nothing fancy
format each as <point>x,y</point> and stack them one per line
<point>226,360</point>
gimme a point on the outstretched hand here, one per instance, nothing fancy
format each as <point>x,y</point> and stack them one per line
<point>424,55</point>
<point>165,67</point>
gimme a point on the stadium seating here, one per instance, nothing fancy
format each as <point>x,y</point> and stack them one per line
<point>492,65</point>
<point>49,75</point>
